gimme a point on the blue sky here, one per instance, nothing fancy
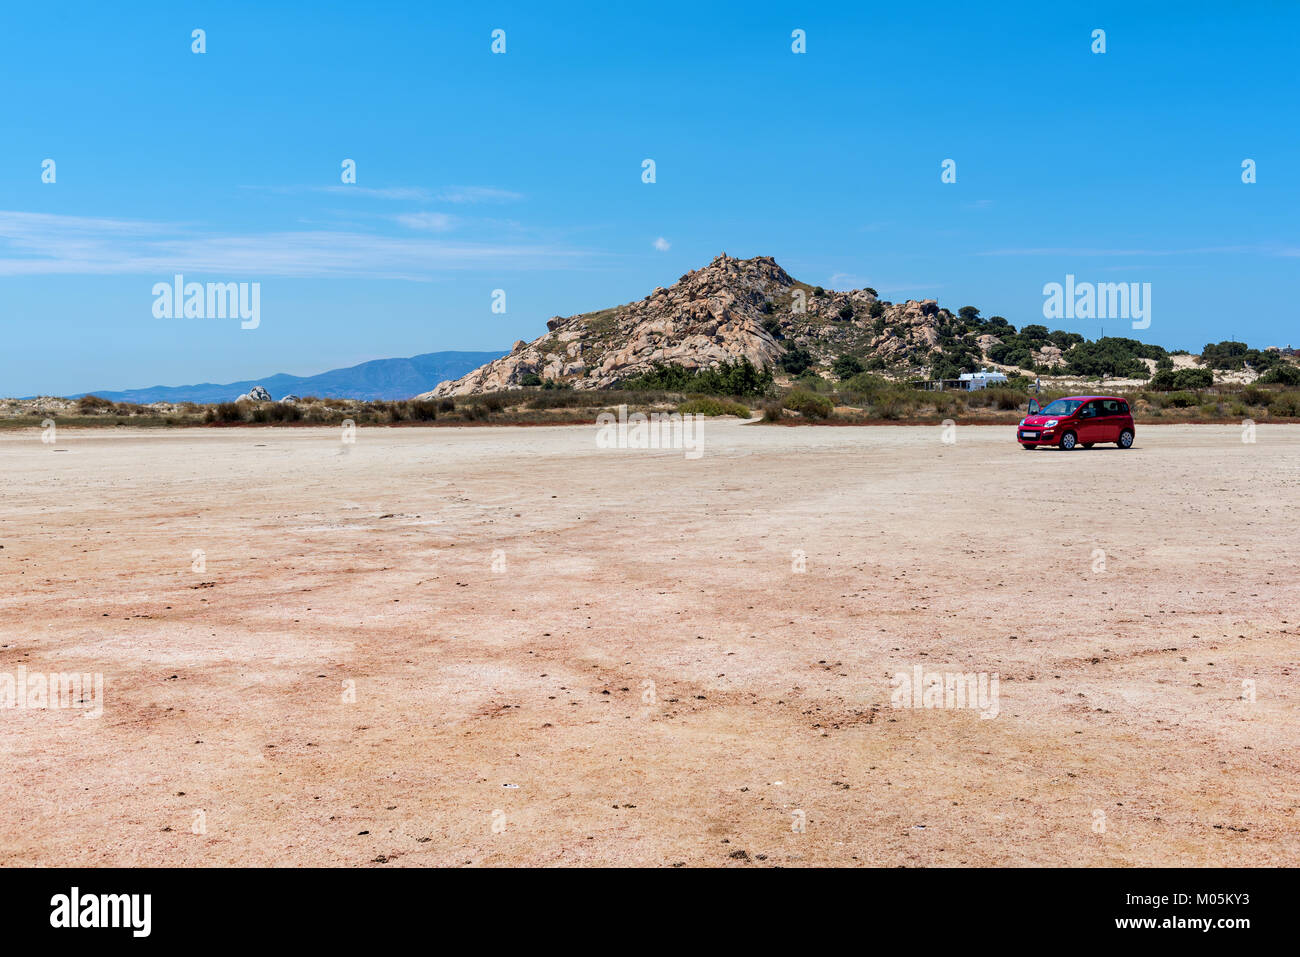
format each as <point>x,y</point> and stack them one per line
<point>522,171</point>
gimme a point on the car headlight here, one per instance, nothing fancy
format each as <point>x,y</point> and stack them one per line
<point>1050,422</point>
<point>1022,422</point>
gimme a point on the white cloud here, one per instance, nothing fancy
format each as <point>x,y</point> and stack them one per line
<point>430,222</point>
<point>662,245</point>
<point>447,194</point>
<point>33,244</point>
<point>477,194</point>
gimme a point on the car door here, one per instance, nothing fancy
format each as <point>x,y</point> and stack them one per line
<point>1109,420</point>
<point>1087,419</point>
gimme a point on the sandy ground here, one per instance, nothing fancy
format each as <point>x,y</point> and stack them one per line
<point>567,655</point>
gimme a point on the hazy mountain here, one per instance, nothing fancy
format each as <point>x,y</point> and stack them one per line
<point>377,379</point>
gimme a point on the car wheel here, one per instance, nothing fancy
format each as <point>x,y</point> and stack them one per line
<point>1068,441</point>
<point>1088,445</point>
<point>1125,440</point>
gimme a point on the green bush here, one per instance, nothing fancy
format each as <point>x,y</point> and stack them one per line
<point>868,386</point>
<point>1282,374</point>
<point>1163,380</point>
<point>796,359</point>
<point>1286,404</point>
<point>1253,395</point>
<point>1193,379</point>
<point>705,406</point>
<point>740,378</point>
<point>846,367</point>
<point>891,406</point>
<point>1181,400</point>
<point>809,404</point>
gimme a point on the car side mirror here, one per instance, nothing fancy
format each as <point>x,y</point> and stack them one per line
<point>1033,407</point>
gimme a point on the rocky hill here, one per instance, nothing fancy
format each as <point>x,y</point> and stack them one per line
<point>730,309</point>
<point>753,309</point>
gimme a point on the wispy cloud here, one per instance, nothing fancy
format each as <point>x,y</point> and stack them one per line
<point>447,194</point>
<point>431,222</point>
<point>477,194</point>
<point>409,193</point>
<point>1095,251</point>
<point>662,245</point>
<point>33,244</point>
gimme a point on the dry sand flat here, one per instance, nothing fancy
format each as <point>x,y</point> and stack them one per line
<point>1120,690</point>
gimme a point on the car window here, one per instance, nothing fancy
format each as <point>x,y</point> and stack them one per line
<point>1123,408</point>
<point>1109,407</point>
<point>1088,411</point>
<point>1060,407</point>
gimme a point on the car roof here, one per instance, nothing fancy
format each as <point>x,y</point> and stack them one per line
<point>1085,398</point>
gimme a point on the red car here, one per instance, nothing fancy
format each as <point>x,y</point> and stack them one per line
<point>1077,420</point>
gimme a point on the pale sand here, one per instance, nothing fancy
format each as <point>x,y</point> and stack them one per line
<point>1120,691</point>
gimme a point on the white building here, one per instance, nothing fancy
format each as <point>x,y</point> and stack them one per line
<point>970,381</point>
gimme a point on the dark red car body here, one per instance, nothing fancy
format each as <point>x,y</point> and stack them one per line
<point>1078,420</point>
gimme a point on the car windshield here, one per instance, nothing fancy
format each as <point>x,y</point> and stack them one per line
<point>1061,407</point>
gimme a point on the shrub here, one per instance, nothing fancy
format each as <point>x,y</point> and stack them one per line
<point>447,405</point>
<point>1163,380</point>
<point>1253,395</point>
<point>93,403</point>
<point>1003,398</point>
<point>772,411</point>
<point>1286,404</point>
<point>1282,374</point>
<point>846,367</point>
<point>739,378</point>
<point>705,406</point>
<point>868,386</point>
<point>890,407</point>
<point>1181,400</point>
<point>809,404</point>
<point>224,412</point>
<point>283,412</point>
<point>796,360</point>
<point>422,410</point>
<point>530,379</point>
<point>846,311</point>
<point>1193,379</point>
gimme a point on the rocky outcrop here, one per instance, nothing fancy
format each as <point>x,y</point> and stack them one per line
<point>730,309</point>
<point>255,394</point>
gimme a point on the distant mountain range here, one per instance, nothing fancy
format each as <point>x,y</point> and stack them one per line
<point>377,379</point>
